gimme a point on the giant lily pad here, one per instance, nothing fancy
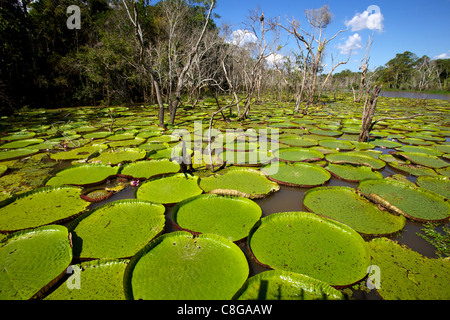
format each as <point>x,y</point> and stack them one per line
<point>305,243</point>
<point>169,190</point>
<point>31,260</point>
<point>19,135</point>
<point>413,169</point>
<point>83,175</point>
<point>418,149</point>
<point>407,275</point>
<point>229,217</point>
<point>133,223</point>
<point>21,143</point>
<point>345,205</point>
<point>337,144</point>
<point>296,141</point>
<point>17,153</point>
<point>78,153</point>
<point>425,160</point>
<point>353,173</point>
<point>285,285</point>
<point>298,155</point>
<point>40,207</point>
<point>179,266</point>
<point>413,202</point>
<point>93,275</point>
<point>149,169</point>
<point>242,182</point>
<point>298,174</point>
<point>120,155</point>
<point>356,158</point>
<point>440,185</point>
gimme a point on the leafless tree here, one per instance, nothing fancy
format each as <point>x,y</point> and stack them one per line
<point>364,67</point>
<point>368,112</point>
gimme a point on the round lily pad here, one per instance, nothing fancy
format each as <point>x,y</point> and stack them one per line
<point>353,173</point>
<point>418,149</point>
<point>386,143</point>
<point>19,135</point>
<point>356,158</point>
<point>97,135</point>
<point>98,280</point>
<point>440,185</point>
<point>149,169</point>
<point>83,175</point>
<point>169,190</point>
<point>305,243</point>
<point>179,266</point>
<point>345,205</point>
<point>78,153</point>
<point>407,275</point>
<point>254,158</point>
<point>229,217</point>
<point>296,141</point>
<point>132,223</point>
<point>337,144</point>
<point>298,174</point>
<point>17,153</point>
<point>21,143</point>
<point>40,207</point>
<point>298,155</point>
<point>425,160</point>
<point>119,155</point>
<point>413,202</point>
<point>285,285</point>
<point>32,260</point>
<point>242,182</point>
<point>413,169</point>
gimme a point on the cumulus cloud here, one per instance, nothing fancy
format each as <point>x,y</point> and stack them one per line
<point>352,43</point>
<point>371,19</point>
<point>275,58</point>
<point>242,37</point>
<point>445,55</point>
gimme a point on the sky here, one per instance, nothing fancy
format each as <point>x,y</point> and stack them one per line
<point>419,26</point>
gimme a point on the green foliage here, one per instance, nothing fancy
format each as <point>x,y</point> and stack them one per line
<point>441,241</point>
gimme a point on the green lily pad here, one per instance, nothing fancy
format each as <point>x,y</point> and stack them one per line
<point>254,158</point>
<point>99,280</point>
<point>298,155</point>
<point>17,153</point>
<point>169,190</point>
<point>328,133</point>
<point>425,160</point>
<point>229,217</point>
<point>337,144</point>
<point>413,169</point>
<point>78,153</point>
<point>418,149</point>
<point>3,169</point>
<point>121,136</point>
<point>21,143</point>
<point>285,285</point>
<point>242,182</point>
<point>97,135</point>
<point>132,223</point>
<point>305,243</point>
<point>415,141</point>
<point>407,275</point>
<point>386,143</point>
<point>413,202</point>
<point>296,141</point>
<point>353,173</point>
<point>19,136</point>
<point>443,148</point>
<point>179,266</point>
<point>298,174</point>
<point>149,169</point>
<point>356,158</point>
<point>31,260</point>
<point>440,185</point>
<point>83,175</point>
<point>345,205</point>
<point>119,155</point>
<point>40,207</point>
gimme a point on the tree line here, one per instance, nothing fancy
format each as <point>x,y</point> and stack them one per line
<point>172,53</point>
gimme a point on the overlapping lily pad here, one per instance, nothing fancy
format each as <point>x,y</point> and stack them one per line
<point>425,160</point>
<point>17,153</point>
<point>337,144</point>
<point>297,174</point>
<point>17,144</point>
<point>345,205</point>
<point>285,285</point>
<point>119,155</point>
<point>356,158</point>
<point>242,182</point>
<point>149,169</point>
<point>304,243</point>
<point>31,260</point>
<point>353,173</point>
<point>132,223</point>
<point>440,185</point>
<point>296,141</point>
<point>298,155</point>
<point>40,207</point>
<point>229,217</point>
<point>413,202</point>
<point>83,175</point>
<point>179,266</point>
<point>78,153</point>
<point>169,190</point>
<point>407,275</point>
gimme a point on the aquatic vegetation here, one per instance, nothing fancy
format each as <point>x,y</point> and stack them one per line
<point>297,174</point>
<point>83,175</point>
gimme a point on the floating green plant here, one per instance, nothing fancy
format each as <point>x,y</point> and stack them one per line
<point>298,174</point>
<point>83,175</point>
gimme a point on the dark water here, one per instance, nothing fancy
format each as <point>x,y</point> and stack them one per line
<point>414,95</point>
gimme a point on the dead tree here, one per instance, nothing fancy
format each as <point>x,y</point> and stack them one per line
<point>368,113</point>
<point>364,68</point>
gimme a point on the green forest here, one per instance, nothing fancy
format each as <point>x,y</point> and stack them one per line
<point>173,53</point>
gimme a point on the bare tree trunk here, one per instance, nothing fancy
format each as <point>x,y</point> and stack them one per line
<point>368,113</point>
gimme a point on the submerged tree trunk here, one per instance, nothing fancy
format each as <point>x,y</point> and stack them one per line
<point>368,113</point>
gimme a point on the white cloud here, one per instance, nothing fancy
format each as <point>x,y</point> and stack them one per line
<point>353,42</point>
<point>242,37</point>
<point>371,19</point>
<point>275,58</point>
<point>445,55</point>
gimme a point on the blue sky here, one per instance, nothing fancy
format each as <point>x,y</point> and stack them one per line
<point>421,27</point>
